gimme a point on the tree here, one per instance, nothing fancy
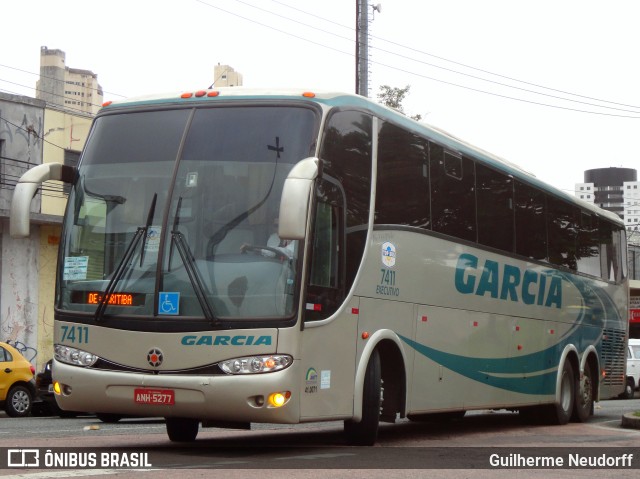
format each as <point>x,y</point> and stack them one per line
<point>393,98</point>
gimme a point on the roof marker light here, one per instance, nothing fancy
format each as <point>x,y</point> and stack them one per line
<point>201,93</point>
<point>186,95</point>
<point>107,103</point>
<point>213,93</point>
<point>309,94</point>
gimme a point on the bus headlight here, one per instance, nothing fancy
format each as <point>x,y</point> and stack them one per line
<point>74,356</point>
<point>256,364</point>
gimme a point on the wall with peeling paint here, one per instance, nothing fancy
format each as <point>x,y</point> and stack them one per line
<point>48,258</point>
<point>19,296</point>
<point>21,147</point>
<point>21,131</point>
<point>33,132</point>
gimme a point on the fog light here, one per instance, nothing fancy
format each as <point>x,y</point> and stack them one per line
<point>279,399</point>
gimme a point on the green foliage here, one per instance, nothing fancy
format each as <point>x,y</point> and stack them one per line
<point>393,98</point>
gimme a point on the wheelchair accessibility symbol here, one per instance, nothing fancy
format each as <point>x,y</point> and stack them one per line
<point>169,303</point>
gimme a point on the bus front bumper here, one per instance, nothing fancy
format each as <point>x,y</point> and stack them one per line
<point>231,398</point>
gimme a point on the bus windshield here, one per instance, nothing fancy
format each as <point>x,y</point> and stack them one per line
<point>174,214</point>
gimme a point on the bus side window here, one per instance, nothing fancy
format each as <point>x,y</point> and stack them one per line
<point>453,199</point>
<point>494,194</point>
<point>402,193</point>
<point>612,251</point>
<point>531,222</point>
<point>325,291</point>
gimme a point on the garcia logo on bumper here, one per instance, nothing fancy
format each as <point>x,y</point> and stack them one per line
<point>238,340</point>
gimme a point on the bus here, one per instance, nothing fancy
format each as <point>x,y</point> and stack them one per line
<point>408,269</point>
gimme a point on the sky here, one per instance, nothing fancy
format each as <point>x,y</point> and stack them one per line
<point>551,85</point>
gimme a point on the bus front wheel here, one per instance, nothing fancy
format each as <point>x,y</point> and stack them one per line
<point>365,432</point>
<point>181,429</point>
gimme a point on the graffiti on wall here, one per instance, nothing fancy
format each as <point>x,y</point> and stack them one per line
<point>21,130</point>
<point>18,321</point>
<point>28,129</point>
<point>15,332</point>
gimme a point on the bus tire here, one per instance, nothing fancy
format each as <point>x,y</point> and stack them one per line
<point>583,407</point>
<point>108,417</point>
<point>180,429</point>
<point>559,413</point>
<point>365,432</point>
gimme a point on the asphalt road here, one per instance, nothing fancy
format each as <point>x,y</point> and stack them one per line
<point>413,449</point>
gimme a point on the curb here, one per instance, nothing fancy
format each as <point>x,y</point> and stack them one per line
<point>631,421</point>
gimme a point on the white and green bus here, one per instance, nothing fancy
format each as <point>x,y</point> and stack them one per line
<point>238,256</point>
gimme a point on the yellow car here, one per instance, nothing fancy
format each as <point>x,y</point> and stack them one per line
<point>17,386</point>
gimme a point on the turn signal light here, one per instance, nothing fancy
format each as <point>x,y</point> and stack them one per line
<point>279,399</point>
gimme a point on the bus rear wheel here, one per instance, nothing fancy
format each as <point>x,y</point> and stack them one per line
<point>560,412</point>
<point>180,429</point>
<point>557,413</point>
<point>365,432</point>
<point>583,408</point>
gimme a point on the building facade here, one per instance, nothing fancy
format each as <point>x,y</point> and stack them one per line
<point>224,75</point>
<point>33,132</point>
<point>21,147</point>
<point>613,189</point>
<point>68,87</point>
<point>618,190</point>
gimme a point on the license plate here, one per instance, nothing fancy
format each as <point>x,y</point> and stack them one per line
<point>154,396</point>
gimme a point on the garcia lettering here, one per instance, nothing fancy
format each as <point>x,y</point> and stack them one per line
<point>221,340</point>
<point>507,282</point>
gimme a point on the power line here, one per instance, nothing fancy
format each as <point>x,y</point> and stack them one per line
<point>39,75</point>
<point>31,133</point>
<point>456,62</point>
<point>53,94</point>
<point>478,90</point>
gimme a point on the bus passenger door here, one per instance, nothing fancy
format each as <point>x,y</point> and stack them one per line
<point>328,347</point>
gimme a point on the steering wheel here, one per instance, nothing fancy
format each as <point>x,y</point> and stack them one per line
<point>260,249</point>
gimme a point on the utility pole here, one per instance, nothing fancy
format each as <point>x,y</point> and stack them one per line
<point>362,47</point>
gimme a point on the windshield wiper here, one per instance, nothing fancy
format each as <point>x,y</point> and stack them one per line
<point>189,262</point>
<point>140,234</point>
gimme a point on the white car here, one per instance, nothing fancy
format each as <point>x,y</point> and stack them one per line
<point>633,368</point>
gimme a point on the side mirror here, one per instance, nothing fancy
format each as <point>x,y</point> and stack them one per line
<point>26,189</point>
<point>296,194</point>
